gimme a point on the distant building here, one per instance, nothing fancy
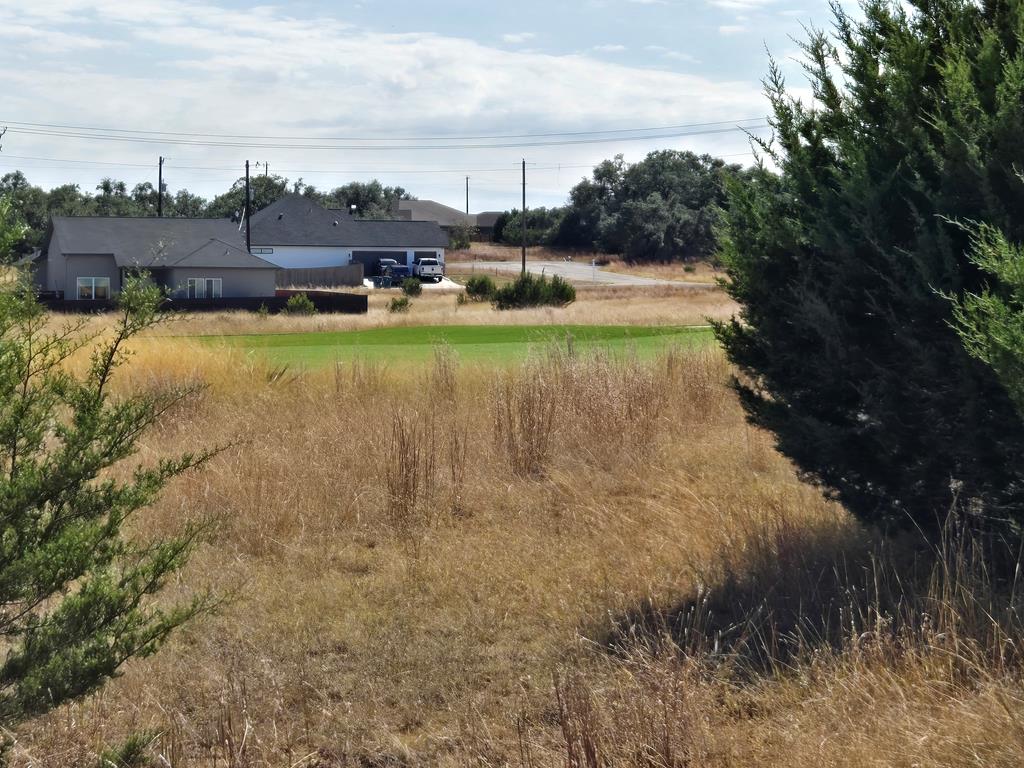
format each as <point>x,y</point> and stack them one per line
<point>86,258</point>
<point>446,217</point>
<point>297,233</point>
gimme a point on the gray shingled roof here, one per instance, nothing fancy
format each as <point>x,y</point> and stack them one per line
<point>297,220</point>
<point>429,210</point>
<point>155,242</point>
<point>488,218</point>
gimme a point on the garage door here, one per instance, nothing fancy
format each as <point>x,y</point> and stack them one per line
<point>371,259</point>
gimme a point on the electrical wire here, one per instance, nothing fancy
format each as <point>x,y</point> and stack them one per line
<point>552,134</point>
<point>377,148</point>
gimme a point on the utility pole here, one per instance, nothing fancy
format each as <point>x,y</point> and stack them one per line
<point>160,190</point>
<point>248,205</point>
<point>467,196</point>
<point>524,216</point>
<point>266,169</point>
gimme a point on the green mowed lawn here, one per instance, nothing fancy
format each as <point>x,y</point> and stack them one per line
<point>484,343</point>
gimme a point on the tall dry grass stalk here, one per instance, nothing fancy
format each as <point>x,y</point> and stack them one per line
<point>652,586</point>
<point>524,419</point>
<point>410,476</point>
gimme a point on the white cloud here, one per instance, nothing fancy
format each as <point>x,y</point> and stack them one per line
<point>731,29</point>
<point>516,38</point>
<point>609,48</point>
<point>191,67</point>
<point>741,5</point>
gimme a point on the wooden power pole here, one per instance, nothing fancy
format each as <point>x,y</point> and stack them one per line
<point>248,205</point>
<point>160,189</point>
<point>524,216</point>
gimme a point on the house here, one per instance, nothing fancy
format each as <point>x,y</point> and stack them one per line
<point>446,217</point>
<point>298,233</point>
<point>87,257</point>
<point>428,210</point>
<point>485,223</point>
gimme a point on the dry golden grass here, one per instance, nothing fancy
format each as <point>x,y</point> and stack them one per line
<point>700,272</point>
<point>697,272</point>
<point>665,305</point>
<point>487,575</point>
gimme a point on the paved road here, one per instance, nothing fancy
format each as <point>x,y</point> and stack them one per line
<point>576,272</point>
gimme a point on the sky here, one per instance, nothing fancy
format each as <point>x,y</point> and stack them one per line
<point>410,93</point>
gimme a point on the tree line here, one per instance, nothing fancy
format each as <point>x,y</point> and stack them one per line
<point>664,208</point>
<point>36,206</point>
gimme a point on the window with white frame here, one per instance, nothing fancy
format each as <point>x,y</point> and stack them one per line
<point>93,288</point>
<point>204,288</point>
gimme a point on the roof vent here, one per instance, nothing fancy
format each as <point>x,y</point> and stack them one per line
<point>280,216</point>
<point>335,223</point>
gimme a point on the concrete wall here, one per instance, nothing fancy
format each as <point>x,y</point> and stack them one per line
<point>235,283</point>
<point>86,266</point>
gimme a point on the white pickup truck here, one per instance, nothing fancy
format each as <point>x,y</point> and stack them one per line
<point>428,269</point>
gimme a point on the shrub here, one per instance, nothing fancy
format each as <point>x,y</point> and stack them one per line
<point>79,590</point>
<point>480,288</point>
<point>263,312</point>
<point>531,291</point>
<point>461,237</point>
<point>300,304</point>
<point>411,286</point>
<point>399,304</point>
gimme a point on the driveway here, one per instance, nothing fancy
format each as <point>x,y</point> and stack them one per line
<point>575,272</point>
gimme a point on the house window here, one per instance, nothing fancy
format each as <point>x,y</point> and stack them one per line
<point>204,287</point>
<point>93,288</point>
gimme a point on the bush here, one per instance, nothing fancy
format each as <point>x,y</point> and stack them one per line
<point>300,304</point>
<point>399,304</point>
<point>412,286</point>
<point>480,288</point>
<point>531,291</point>
<point>461,237</point>
<point>80,590</point>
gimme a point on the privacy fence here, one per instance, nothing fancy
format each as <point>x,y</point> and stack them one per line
<point>321,277</point>
<point>324,301</point>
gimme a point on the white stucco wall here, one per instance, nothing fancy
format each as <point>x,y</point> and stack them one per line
<point>304,256</point>
<point>313,256</point>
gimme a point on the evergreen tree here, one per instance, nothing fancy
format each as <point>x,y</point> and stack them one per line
<point>845,341</point>
<point>991,322</point>
<point>76,588</point>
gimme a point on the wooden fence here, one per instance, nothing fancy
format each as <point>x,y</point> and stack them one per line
<point>324,301</point>
<point>321,277</point>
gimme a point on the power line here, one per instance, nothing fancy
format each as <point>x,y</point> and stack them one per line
<point>380,170</point>
<point>140,132</point>
<point>391,148</point>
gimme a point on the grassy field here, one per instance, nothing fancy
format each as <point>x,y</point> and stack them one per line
<point>584,559</point>
<point>472,343</point>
